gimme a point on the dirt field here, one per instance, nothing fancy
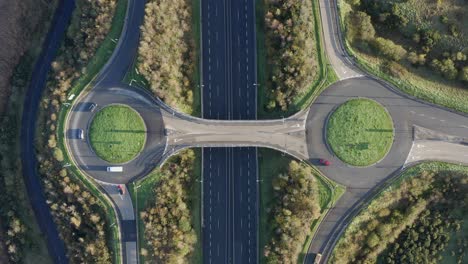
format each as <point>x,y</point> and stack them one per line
<point>18,23</point>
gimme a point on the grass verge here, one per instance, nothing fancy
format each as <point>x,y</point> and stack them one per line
<point>113,137</point>
<point>271,163</point>
<point>360,132</point>
<point>142,193</point>
<point>325,77</point>
<point>419,83</point>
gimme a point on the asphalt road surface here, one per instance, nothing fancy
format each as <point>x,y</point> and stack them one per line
<point>230,203</point>
<point>32,179</point>
<point>406,113</point>
<point>108,88</point>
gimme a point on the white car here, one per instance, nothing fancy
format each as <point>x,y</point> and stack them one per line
<point>115,169</point>
<point>80,134</point>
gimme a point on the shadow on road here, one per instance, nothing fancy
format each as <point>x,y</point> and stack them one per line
<point>84,107</point>
<point>73,133</point>
<point>93,168</point>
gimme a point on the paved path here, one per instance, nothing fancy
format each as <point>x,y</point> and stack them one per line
<point>32,179</point>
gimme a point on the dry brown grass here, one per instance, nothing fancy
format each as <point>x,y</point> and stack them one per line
<point>18,22</point>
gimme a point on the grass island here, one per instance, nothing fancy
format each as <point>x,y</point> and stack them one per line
<point>117,134</point>
<point>360,132</point>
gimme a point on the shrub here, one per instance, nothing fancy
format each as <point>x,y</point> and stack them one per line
<point>443,19</point>
<point>388,49</point>
<point>394,69</point>
<point>58,154</point>
<point>446,68</point>
<point>464,74</point>
<point>416,59</point>
<point>362,29</point>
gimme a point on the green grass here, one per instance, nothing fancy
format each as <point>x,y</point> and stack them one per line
<point>326,75</point>
<point>117,133</point>
<point>195,208</point>
<point>360,132</point>
<point>271,163</point>
<point>196,31</point>
<point>142,193</point>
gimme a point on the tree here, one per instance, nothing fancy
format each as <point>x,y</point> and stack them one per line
<point>389,49</point>
<point>463,76</point>
<point>417,59</point>
<point>362,29</point>
<point>446,68</point>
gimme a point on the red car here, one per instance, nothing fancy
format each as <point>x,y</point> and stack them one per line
<point>121,189</point>
<point>324,162</point>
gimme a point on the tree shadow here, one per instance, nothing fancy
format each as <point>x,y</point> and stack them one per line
<point>379,130</point>
<point>126,131</point>
<point>359,146</point>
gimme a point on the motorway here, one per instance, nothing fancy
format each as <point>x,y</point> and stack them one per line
<point>230,203</point>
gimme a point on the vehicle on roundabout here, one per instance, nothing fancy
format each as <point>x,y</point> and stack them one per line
<point>121,189</point>
<point>324,162</point>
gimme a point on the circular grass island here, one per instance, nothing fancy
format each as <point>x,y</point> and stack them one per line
<point>117,134</point>
<point>360,132</point>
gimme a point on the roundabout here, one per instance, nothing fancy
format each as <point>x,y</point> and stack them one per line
<point>360,132</point>
<point>117,134</point>
<point>135,131</point>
